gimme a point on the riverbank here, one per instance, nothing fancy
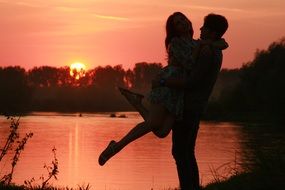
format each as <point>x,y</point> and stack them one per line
<point>265,178</point>
<point>266,166</point>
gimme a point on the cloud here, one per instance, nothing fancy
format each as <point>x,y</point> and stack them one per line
<point>109,17</point>
<point>216,8</point>
<point>20,3</point>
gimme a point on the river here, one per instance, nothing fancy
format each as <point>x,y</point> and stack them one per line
<point>143,165</point>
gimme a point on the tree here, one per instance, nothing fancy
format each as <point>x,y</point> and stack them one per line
<point>14,96</point>
<point>44,76</point>
<point>143,74</point>
<point>108,78</point>
<point>262,85</point>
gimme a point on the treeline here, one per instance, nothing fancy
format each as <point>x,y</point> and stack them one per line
<point>54,89</point>
<point>257,87</point>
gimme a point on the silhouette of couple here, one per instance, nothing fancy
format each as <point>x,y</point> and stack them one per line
<point>179,93</point>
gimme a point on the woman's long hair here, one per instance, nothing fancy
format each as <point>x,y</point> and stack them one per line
<point>170,29</point>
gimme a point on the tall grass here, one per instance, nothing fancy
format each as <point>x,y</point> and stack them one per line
<point>13,140</point>
<point>14,144</point>
<point>265,165</point>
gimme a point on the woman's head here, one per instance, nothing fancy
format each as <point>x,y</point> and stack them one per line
<point>177,25</point>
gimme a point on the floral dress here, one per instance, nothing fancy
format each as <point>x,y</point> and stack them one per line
<point>180,62</point>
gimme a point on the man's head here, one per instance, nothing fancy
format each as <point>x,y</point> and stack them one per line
<point>214,27</point>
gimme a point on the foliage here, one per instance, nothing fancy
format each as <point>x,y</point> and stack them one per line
<point>45,88</point>
<point>13,140</point>
<point>52,173</point>
<point>15,93</point>
<point>14,144</point>
<point>258,87</point>
<point>142,75</point>
<point>16,187</point>
<point>264,164</point>
<point>263,82</point>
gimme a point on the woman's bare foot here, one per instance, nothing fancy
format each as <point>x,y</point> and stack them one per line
<point>135,99</point>
<point>107,153</point>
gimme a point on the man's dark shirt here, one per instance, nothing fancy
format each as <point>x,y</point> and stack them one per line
<point>201,80</point>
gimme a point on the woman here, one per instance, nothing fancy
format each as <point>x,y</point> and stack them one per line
<point>166,104</point>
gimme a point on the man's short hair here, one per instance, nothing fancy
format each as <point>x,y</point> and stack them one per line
<point>216,23</point>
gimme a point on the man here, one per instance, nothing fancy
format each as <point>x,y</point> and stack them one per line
<point>198,86</point>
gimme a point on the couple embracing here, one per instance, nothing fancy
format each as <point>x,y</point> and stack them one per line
<point>179,93</point>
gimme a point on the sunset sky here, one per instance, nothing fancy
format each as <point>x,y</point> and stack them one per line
<point>112,32</point>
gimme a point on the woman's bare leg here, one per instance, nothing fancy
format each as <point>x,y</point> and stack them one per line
<point>165,129</point>
<point>138,131</point>
<point>159,120</point>
<point>114,147</point>
<point>156,118</point>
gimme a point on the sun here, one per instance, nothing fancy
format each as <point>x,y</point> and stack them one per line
<point>77,70</point>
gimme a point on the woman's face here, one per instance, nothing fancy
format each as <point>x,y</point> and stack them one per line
<point>181,24</point>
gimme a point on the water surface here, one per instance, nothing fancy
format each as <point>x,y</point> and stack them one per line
<point>146,163</point>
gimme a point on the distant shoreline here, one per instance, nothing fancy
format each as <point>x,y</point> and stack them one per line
<point>246,117</point>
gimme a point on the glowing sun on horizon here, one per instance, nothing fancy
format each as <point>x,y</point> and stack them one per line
<point>77,70</point>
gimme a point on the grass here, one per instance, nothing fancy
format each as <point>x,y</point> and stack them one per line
<point>265,169</point>
<point>22,187</point>
<point>255,180</point>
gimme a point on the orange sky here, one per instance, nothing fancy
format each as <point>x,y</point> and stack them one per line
<point>102,32</point>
